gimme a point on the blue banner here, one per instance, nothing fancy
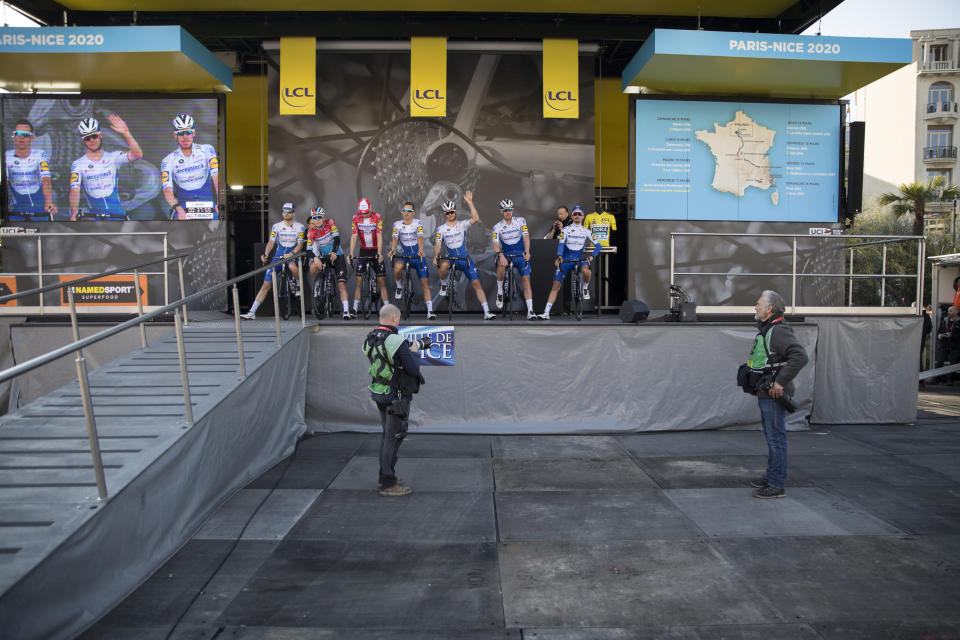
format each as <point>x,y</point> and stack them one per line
<point>441,352</point>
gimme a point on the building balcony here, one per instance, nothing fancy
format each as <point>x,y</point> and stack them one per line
<point>936,110</point>
<point>938,65</point>
<point>939,154</point>
<point>938,207</point>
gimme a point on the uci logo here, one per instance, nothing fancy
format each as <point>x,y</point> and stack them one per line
<point>556,100</point>
<point>427,94</point>
<point>295,94</point>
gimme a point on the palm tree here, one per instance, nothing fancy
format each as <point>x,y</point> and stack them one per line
<point>914,196</point>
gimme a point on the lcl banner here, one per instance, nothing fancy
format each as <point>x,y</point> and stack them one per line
<point>428,77</point>
<point>298,76</point>
<point>561,97</point>
<point>118,290</point>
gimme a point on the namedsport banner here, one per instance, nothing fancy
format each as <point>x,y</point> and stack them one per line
<point>428,77</point>
<point>298,76</point>
<point>118,290</point>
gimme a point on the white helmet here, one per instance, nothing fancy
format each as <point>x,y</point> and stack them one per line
<point>183,121</point>
<point>449,205</point>
<point>88,126</point>
<point>506,203</point>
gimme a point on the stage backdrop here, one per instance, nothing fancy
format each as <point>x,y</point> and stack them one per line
<point>494,141</point>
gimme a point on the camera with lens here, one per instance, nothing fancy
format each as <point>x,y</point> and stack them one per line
<point>766,383</point>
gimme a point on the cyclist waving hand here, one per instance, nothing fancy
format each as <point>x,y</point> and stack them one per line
<point>453,235</point>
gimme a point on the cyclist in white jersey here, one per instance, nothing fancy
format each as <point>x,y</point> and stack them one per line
<point>96,171</point>
<point>511,237</point>
<point>28,175</point>
<point>191,173</point>
<point>408,235</point>
<point>573,239</point>
<point>453,236</point>
<point>288,237</point>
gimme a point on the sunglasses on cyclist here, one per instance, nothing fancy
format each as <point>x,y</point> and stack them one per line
<point>316,217</point>
<point>92,136</point>
<point>185,132</point>
<point>22,134</point>
<point>506,209</point>
<point>407,211</point>
<point>450,213</point>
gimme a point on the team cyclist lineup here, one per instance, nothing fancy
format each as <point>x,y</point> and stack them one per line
<point>510,238</point>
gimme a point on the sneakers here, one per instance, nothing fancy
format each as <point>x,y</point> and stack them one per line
<point>769,492</point>
<point>249,315</point>
<point>532,316</point>
<point>398,293</point>
<point>443,291</point>
<point>586,293</point>
<point>499,301</point>
<point>489,316</point>
<point>544,316</point>
<point>431,315</point>
<point>348,316</point>
<point>396,490</point>
<point>759,483</point>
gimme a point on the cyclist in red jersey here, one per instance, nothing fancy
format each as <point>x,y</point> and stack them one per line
<point>367,225</point>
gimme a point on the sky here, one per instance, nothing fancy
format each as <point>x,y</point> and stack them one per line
<point>888,18</point>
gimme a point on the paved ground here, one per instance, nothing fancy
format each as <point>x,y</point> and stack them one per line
<point>580,537</point>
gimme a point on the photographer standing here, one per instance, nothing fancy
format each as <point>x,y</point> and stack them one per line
<point>778,357</point>
<point>395,373</point>
<point>562,220</point>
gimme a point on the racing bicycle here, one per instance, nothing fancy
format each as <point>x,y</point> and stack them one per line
<point>365,268</point>
<point>576,287</point>
<point>288,291</point>
<point>511,288</point>
<point>407,281</point>
<point>325,291</point>
<point>452,285</point>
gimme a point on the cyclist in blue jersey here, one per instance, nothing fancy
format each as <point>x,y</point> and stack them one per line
<point>573,238</point>
<point>323,240</point>
<point>408,237</point>
<point>190,176</point>
<point>453,235</point>
<point>95,172</point>
<point>511,238</point>
<point>28,175</point>
<point>288,237</point>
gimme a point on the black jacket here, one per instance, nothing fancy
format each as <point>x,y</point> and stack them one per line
<point>784,347</point>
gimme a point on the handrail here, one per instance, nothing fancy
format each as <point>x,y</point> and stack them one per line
<point>60,285</point>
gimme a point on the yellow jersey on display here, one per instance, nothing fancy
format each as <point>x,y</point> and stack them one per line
<point>602,225</point>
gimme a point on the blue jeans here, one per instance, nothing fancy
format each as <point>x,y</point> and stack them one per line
<point>774,419</point>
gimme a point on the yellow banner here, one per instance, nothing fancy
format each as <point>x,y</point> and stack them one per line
<point>298,76</point>
<point>561,78</point>
<point>428,77</point>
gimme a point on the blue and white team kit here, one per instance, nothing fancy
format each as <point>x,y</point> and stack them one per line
<point>98,180</point>
<point>287,237</point>
<point>455,240</point>
<point>191,179</point>
<point>408,236</point>
<point>510,236</point>
<point>24,176</point>
<point>572,240</point>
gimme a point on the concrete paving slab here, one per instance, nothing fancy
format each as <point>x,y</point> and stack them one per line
<point>557,447</point>
<point>915,510</point>
<point>825,443</point>
<point>881,470</point>
<point>909,441</point>
<point>594,516</point>
<point>712,632</point>
<point>335,445</point>
<point>258,514</point>
<point>572,474</point>
<point>889,630</point>
<point>871,579</point>
<point>421,516</point>
<point>299,472</point>
<point>424,445</point>
<point>704,472</point>
<point>803,512</point>
<point>315,633</point>
<point>390,584</point>
<point>156,632</point>
<point>945,464</point>
<point>694,443</point>
<point>651,583</point>
<point>421,474</point>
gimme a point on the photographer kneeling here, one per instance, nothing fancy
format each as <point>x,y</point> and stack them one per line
<point>776,359</point>
<point>395,373</point>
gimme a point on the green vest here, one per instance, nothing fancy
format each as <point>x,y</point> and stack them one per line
<point>379,352</point>
<point>761,351</point>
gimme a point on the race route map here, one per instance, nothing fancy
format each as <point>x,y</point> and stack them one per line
<point>740,148</point>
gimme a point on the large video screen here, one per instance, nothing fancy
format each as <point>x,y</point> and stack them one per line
<point>737,161</point>
<point>88,158</point>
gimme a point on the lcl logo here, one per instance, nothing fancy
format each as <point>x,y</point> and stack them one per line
<point>296,93</point>
<point>560,97</point>
<point>427,94</point>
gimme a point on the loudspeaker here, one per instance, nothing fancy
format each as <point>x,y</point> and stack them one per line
<point>634,311</point>
<point>688,312</point>
<point>855,168</point>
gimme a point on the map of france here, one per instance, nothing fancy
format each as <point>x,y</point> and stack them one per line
<point>740,150</point>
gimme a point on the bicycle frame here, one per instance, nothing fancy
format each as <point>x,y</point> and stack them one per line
<point>510,283</point>
<point>451,288</point>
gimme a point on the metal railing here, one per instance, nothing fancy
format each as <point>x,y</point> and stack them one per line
<point>41,273</point>
<point>79,344</point>
<point>941,107</point>
<point>939,153</point>
<point>871,240</point>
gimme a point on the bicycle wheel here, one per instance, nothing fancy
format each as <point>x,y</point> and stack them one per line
<point>284,295</point>
<point>320,296</point>
<point>576,296</point>
<point>508,292</point>
<point>332,296</point>
<point>365,294</point>
<point>374,294</point>
<point>407,291</point>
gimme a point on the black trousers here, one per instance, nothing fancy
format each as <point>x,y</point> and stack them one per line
<point>393,421</point>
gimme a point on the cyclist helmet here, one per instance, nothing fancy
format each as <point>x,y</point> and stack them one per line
<point>183,121</point>
<point>449,205</point>
<point>88,126</point>
<point>363,206</point>
<point>577,211</point>
<point>506,203</point>
<point>317,212</point>
<point>288,206</point>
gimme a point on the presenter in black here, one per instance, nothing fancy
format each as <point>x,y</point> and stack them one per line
<point>776,359</point>
<point>395,373</point>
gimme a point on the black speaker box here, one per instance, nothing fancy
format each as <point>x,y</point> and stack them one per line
<point>688,312</point>
<point>634,311</point>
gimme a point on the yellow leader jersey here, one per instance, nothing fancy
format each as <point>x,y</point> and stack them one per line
<point>602,225</point>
